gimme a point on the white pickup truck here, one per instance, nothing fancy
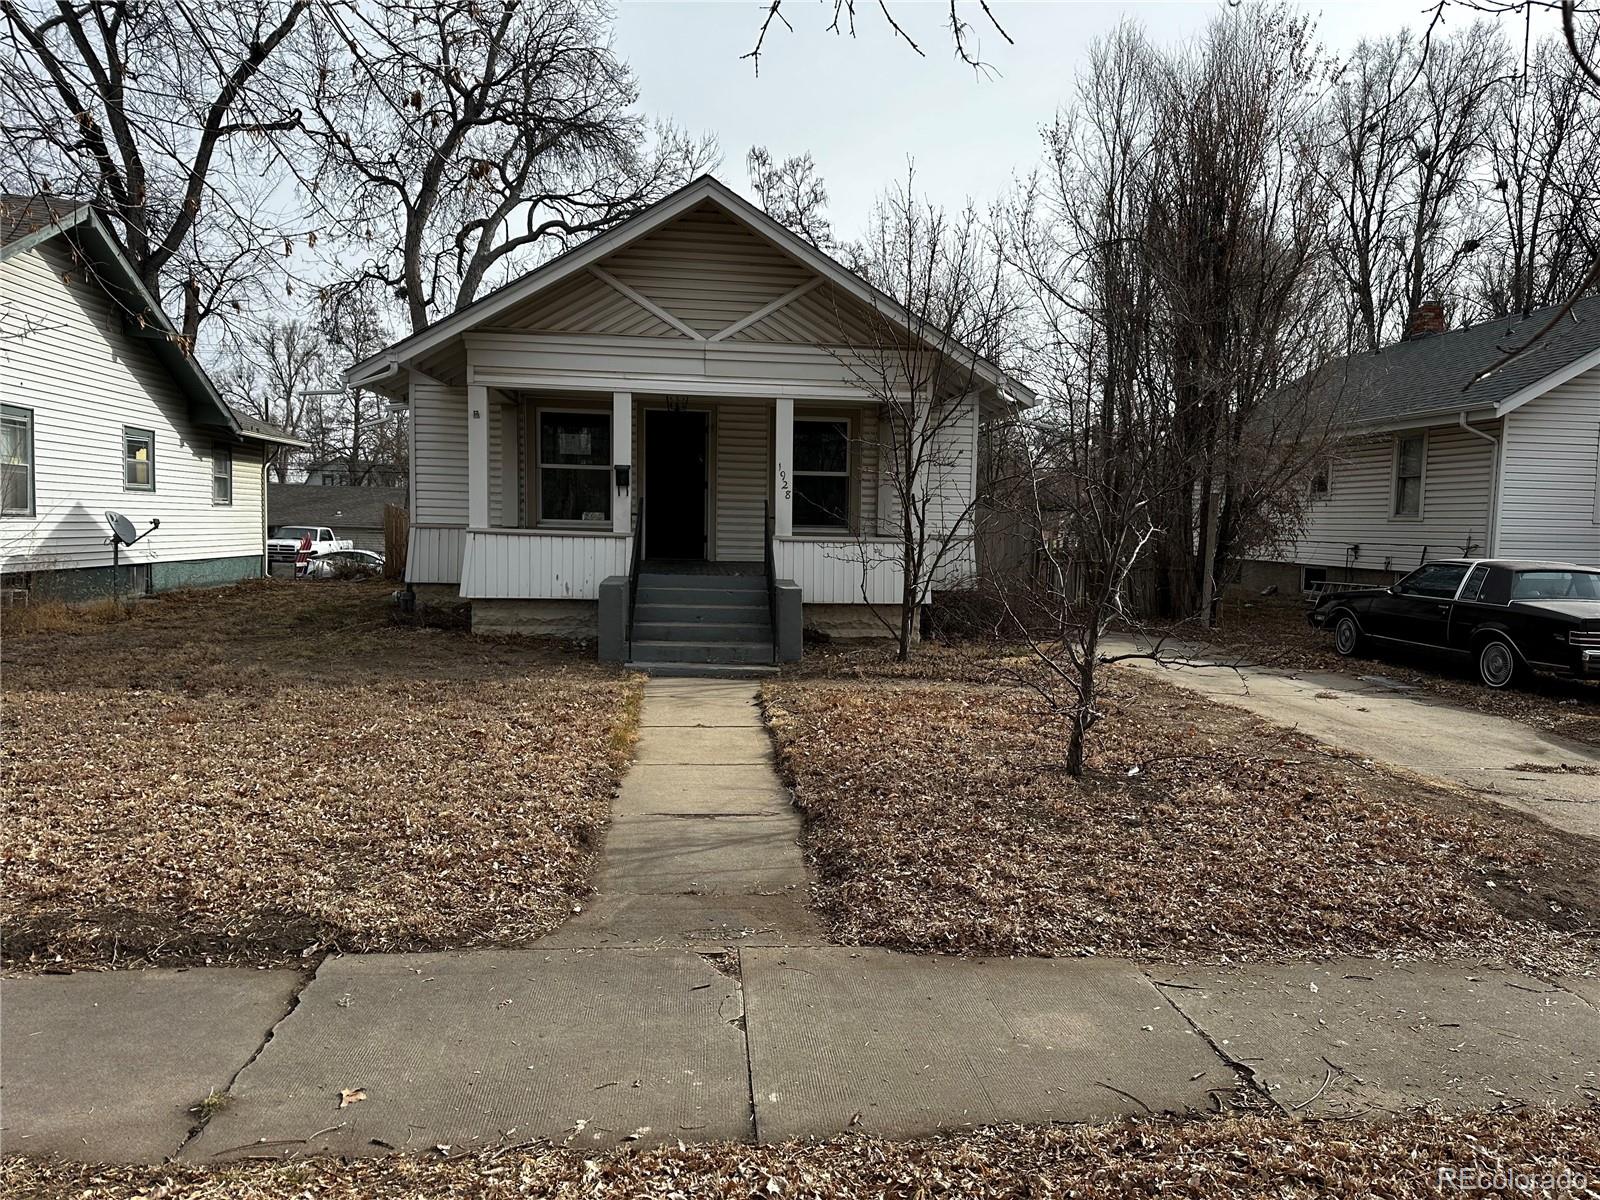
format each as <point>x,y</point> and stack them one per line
<point>284,544</point>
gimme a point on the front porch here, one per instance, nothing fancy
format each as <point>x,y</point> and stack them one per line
<point>567,490</point>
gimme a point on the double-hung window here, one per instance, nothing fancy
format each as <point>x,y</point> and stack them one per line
<point>1410,454</point>
<point>221,474</point>
<point>574,467</point>
<point>822,474</point>
<point>138,459</point>
<point>16,461</point>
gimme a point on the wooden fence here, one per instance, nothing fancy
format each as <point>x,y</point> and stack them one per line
<point>396,533</point>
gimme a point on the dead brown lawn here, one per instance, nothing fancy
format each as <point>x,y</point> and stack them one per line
<point>938,819</point>
<point>1236,1157</point>
<point>247,774</point>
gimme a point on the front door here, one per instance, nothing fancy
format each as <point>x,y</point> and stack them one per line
<point>675,484</point>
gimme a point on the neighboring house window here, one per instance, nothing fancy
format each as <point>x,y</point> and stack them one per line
<point>222,474</point>
<point>1410,453</point>
<point>329,479</point>
<point>16,461</point>
<point>574,466</point>
<point>138,459</point>
<point>822,474</point>
<point>1321,481</point>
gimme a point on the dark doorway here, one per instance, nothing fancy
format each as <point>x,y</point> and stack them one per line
<point>675,484</point>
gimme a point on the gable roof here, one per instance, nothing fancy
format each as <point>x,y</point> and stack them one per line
<point>1432,376</point>
<point>336,506</point>
<point>28,222</point>
<point>704,190</point>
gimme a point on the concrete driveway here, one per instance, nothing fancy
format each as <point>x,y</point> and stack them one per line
<point>1383,720</point>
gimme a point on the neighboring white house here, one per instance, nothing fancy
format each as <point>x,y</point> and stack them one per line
<point>699,364</point>
<point>1439,464</point>
<point>103,410</point>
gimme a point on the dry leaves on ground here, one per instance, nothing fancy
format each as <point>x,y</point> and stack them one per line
<point>243,775</point>
<point>1541,1149</point>
<point>939,819</point>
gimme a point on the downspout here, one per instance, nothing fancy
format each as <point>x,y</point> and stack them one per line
<point>266,561</point>
<point>1494,485</point>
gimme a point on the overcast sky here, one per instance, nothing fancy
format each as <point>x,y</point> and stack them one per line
<point>862,107</point>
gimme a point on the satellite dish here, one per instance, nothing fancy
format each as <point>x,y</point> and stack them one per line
<point>121,528</point>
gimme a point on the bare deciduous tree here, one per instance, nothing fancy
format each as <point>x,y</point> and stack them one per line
<point>266,371</point>
<point>456,140</point>
<point>163,115</point>
<point>949,295</point>
<point>792,193</point>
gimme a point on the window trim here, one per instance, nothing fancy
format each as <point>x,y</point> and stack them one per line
<point>1394,477</point>
<point>1324,472</point>
<point>849,472</point>
<point>150,440</point>
<point>540,466</point>
<point>16,412</point>
<point>218,450</point>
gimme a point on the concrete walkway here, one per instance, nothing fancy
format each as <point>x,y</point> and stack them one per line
<point>695,999</point>
<point>1386,721</point>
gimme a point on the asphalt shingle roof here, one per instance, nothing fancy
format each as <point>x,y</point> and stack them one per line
<point>21,216</point>
<point>1432,374</point>
<point>337,507</point>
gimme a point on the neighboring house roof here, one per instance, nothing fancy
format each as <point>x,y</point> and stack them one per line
<point>1432,376</point>
<point>333,505</point>
<point>27,222</point>
<point>697,191</point>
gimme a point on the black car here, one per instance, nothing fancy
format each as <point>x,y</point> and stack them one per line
<point>1505,615</point>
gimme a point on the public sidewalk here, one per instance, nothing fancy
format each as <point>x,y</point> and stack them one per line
<point>695,998</point>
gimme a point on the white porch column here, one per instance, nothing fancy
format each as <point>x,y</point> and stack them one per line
<point>478,417</point>
<point>783,467</point>
<point>622,456</point>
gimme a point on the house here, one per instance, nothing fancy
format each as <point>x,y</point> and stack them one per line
<point>335,472</point>
<point>683,407</point>
<point>103,409</point>
<point>1436,462</point>
<point>351,512</point>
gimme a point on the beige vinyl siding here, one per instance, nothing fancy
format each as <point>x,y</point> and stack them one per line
<point>586,304</point>
<point>1551,470</point>
<point>952,478</point>
<point>743,448</point>
<point>439,456</point>
<point>826,316</point>
<point>706,269</point>
<point>84,379</point>
<point>1359,504</point>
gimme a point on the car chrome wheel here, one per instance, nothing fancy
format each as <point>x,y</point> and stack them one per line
<point>1497,665</point>
<point>1346,636</point>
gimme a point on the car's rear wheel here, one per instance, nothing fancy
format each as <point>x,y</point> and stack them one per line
<point>1497,664</point>
<point>1346,635</point>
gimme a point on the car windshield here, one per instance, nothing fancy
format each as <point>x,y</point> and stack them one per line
<point>296,531</point>
<point>1556,585</point>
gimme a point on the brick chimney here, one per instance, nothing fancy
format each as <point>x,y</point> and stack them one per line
<point>1426,320</point>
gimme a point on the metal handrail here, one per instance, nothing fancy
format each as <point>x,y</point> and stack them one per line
<point>772,576</point>
<point>633,571</point>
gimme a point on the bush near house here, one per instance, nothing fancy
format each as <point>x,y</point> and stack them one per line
<point>248,774</point>
<point>939,819</point>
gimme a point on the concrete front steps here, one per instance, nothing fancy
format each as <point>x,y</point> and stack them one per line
<point>709,625</point>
